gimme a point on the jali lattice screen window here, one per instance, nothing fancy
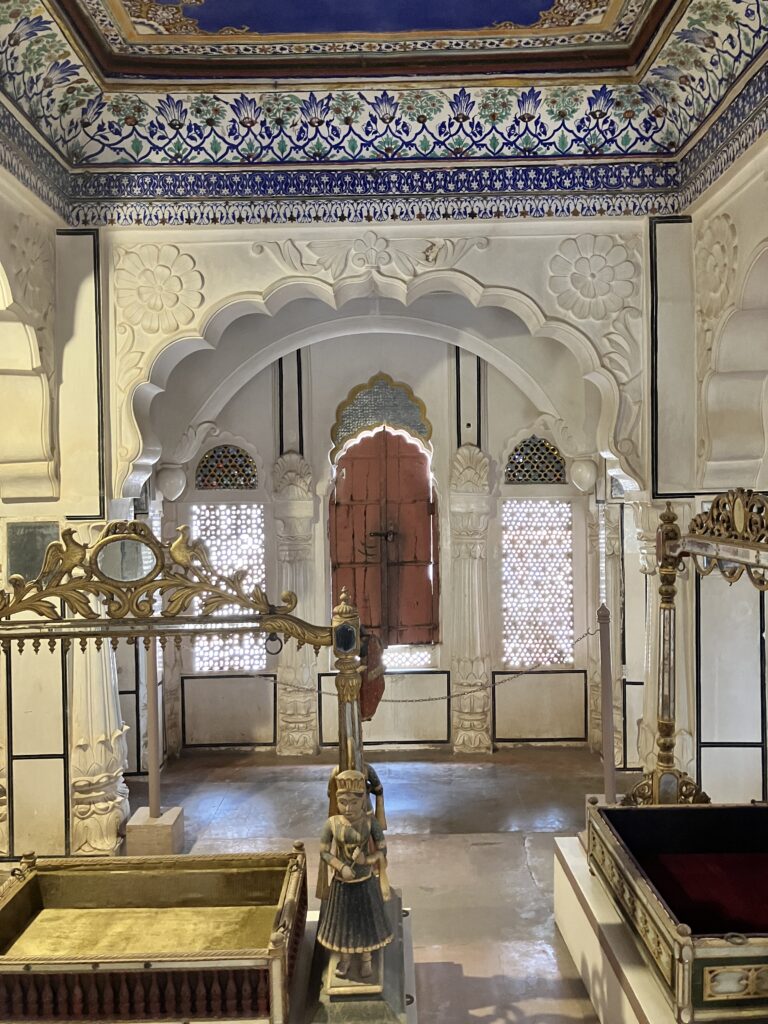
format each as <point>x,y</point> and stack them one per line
<point>234,535</point>
<point>535,461</point>
<point>537,583</point>
<point>226,468</point>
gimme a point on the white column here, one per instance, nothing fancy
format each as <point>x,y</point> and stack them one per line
<point>294,513</point>
<point>470,506</point>
<point>98,753</point>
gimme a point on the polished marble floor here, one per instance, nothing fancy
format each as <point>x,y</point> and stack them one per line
<point>470,845</point>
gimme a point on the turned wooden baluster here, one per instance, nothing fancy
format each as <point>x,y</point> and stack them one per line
<point>108,996</point>
<point>246,995</point>
<point>230,994</point>
<point>201,996</point>
<point>170,996</point>
<point>262,993</point>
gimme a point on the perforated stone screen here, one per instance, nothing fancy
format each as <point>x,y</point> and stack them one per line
<point>535,461</point>
<point>234,535</point>
<point>537,582</point>
<point>405,656</point>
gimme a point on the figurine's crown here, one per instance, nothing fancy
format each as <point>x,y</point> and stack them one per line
<point>350,782</point>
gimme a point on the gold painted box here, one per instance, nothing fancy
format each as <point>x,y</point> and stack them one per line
<point>188,938</point>
<point>692,883</point>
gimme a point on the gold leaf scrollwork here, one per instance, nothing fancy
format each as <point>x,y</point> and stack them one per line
<point>129,577</point>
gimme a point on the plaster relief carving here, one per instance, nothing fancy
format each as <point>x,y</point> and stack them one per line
<point>469,470</point>
<point>192,440</point>
<point>716,258</point>
<point>592,276</point>
<point>157,287</point>
<point>556,429</point>
<point>621,355</point>
<point>292,476</point>
<point>34,275</point>
<point>402,258</point>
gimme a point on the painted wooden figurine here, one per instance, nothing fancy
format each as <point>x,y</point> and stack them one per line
<point>353,921</point>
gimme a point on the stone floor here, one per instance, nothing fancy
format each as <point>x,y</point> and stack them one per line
<point>470,845</point>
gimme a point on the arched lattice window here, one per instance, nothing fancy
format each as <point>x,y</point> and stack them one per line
<point>535,461</point>
<point>226,468</point>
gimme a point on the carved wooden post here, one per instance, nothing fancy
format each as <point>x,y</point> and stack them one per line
<point>346,648</point>
<point>294,511</point>
<point>666,784</point>
<point>470,665</point>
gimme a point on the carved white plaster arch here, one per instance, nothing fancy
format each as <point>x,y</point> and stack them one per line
<point>145,363</point>
<point>734,391</point>
<point>27,463</point>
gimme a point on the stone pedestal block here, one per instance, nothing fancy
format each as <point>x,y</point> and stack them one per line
<point>145,836</point>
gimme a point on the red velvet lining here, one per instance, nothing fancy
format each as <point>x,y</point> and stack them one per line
<point>713,892</point>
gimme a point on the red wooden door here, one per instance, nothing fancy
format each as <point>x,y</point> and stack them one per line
<point>384,542</point>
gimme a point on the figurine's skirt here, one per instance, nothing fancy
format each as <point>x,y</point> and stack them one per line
<point>353,919</point>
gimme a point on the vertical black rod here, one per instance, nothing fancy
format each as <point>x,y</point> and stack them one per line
<point>457,350</point>
<point>300,400</point>
<point>479,412</point>
<point>280,441</point>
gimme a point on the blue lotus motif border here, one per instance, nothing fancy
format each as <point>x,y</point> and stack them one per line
<point>96,194</point>
<point>369,195</point>
<point>714,45</point>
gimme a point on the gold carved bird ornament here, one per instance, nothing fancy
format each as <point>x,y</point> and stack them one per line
<point>187,554</point>
<point>61,557</point>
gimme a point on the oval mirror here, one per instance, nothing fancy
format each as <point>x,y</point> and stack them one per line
<point>126,561</point>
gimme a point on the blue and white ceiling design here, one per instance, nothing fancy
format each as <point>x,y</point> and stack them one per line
<point>535,145</point>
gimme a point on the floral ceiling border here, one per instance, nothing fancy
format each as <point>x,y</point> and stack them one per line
<point>575,19</point>
<point>96,194</point>
<point>41,76</point>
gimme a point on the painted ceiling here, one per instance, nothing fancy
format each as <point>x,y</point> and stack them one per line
<point>646,140</point>
<point>213,38</point>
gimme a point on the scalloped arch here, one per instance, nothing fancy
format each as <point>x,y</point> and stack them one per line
<point>138,457</point>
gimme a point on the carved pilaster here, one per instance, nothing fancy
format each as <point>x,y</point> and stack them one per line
<point>294,511</point>
<point>98,754</point>
<point>471,663</point>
